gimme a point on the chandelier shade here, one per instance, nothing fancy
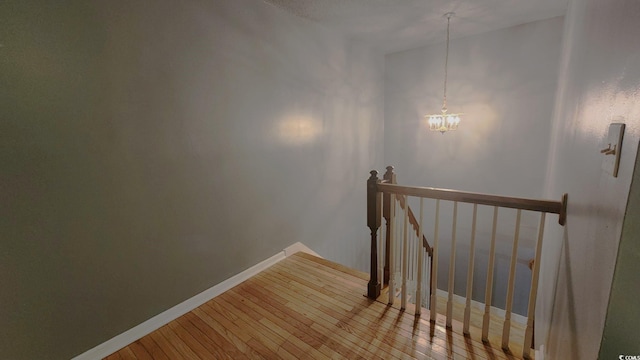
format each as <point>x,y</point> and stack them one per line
<point>443,122</point>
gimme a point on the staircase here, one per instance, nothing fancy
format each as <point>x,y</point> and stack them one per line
<point>408,264</point>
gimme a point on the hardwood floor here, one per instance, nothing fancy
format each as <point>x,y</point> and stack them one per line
<point>476,317</point>
<point>305,308</point>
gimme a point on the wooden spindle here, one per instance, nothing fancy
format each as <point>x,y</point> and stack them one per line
<point>390,248</point>
<point>405,259</point>
<point>434,266</point>
<point>421,251</point>
<point>472,248</point>
<point>430,277</point>
<point>390,178</point>
<point>374,214</point>
<point>489,288</point>
<point>412,255</point>
<point>397,248</point>
<point>381,254</point>
<point>432,280</point>
<point>452,265</point>
<point>528,335</point>
<point>506,327</point>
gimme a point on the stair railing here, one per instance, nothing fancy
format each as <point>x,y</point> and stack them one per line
<point>415,267</point>
<point>382,197</point>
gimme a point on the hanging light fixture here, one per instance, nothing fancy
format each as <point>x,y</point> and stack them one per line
<point>444,121</point>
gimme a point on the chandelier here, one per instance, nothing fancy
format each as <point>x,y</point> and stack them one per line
<point>444,121</point>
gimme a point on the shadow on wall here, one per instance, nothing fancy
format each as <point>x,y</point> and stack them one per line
<point>564,333</point>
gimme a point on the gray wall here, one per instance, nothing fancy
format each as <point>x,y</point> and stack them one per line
<point>504,81</point>
<point>621,330</point>
<point>151,149</point>
<point>599,83</point>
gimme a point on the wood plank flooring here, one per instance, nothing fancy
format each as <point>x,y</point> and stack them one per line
<point>496,321</point>
<point>305,307</point>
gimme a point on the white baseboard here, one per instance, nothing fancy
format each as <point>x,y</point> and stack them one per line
<point>110,346</point>
<point>494,310</point>
<point>299,247</point>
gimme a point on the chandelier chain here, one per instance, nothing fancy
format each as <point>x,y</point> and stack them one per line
<point>446,66</point>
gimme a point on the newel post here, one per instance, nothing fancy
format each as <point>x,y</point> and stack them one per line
<point>390,178</point>
<point>373,222</point>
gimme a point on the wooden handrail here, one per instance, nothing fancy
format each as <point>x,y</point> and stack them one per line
<point>548,206</point>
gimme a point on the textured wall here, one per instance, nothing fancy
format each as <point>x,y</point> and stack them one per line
<point>153,149</point>
<point>599,84</point>
<point>504,81</point>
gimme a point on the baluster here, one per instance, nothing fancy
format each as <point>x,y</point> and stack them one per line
<point>381,255</point>
<point>467,308</point>
<point>434,266</point>
<point>528,335</point>
<point>427,277</point>
<point>421,251</point>
<point>398,248</point>
<point>430,276</point>
<point>506,327</point>
<point>410,260</point>
<point>489,288</point>
<point>452,265</point>
<point>432,280</point>
<point>374,213</point>
<point>405,260</point>
<point>414,258</point>
<point>390,248</point>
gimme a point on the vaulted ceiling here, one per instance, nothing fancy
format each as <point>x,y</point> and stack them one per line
<point>396,25</point>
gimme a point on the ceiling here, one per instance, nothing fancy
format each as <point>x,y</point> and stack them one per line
<point>396,25</point>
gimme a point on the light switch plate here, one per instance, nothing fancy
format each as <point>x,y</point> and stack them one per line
<point>611,162</point>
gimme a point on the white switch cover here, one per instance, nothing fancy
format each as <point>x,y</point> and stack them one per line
<point>611,160</point>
